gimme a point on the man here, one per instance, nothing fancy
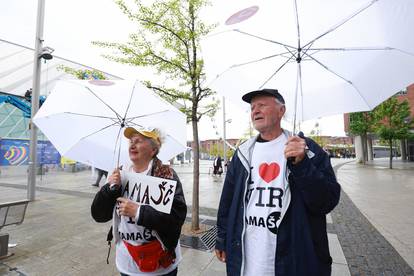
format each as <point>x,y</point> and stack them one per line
<point>146,239</point>
<point>277,192</point>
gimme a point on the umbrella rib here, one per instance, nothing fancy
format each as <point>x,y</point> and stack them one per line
<point>129,102</point>
<point>343,21</point>
<point>116,113</point>
<point>258,60</point>
<point>268,79</point>
<point>339,76</point>
<point>87,115</point>
<point>297,22</point>
<point>91,135</point>
<point>405,52</point>
<point>250,62</point>
<point>146,115</point>
<point>354,49</point>
<point>84,137</point>
<point>316,50</point>
<point>135,124</point>
<point>265,39</point>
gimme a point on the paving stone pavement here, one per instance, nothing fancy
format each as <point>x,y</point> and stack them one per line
<point>366,249</point>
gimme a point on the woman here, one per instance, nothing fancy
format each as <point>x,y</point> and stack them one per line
<point>146,239</point>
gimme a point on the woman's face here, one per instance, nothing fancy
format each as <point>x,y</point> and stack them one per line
<point>140,148</point>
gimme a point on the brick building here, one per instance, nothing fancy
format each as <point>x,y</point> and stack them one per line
<point>407,94</point>
<point>208,146</point>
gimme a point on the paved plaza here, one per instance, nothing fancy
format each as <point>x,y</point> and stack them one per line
<point>371,232</point>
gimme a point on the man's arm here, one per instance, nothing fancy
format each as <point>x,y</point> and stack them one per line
<point>315,179</point>
<point>224,207</point>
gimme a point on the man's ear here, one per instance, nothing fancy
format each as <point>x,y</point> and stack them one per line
<point>283,109</point>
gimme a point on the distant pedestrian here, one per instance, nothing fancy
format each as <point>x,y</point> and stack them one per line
<point>100,174</point>
<point>218,167</point>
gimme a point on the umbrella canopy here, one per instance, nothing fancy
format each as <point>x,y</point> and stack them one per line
<point>326,56</point>
<point>85,120</point>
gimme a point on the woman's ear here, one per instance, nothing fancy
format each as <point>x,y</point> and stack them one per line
<point>155,151</point>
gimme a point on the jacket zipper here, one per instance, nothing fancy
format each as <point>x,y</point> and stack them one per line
<point>244,212</point>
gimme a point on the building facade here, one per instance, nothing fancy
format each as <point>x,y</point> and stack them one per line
<point>407,147</point>
<point>212,147</point>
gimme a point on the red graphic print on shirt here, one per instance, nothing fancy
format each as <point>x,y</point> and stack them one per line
<point>269,172</point>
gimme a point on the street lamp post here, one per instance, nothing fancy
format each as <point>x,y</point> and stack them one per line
<point>35,100</point>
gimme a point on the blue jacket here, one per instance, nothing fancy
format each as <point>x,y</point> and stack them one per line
<point>302,243</point>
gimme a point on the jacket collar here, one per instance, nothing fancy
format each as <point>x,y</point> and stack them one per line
<point>246,149</point>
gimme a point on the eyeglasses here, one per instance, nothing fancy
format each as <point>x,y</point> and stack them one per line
<point>134,141</point>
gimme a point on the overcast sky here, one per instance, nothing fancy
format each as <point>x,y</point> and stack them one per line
<point>69,28</point>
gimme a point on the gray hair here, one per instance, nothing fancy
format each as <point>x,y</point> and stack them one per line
<point>279,102</point>
<point>155,145</point>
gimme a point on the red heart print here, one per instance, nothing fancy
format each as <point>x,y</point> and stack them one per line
<point>269,172</point>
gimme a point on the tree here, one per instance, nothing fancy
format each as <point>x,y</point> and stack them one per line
<point>217,148</point>
<point>362,123</point>
<point>229,153</point>
<point>393,121</point>
<point>315,134</point>
<point>82,74</point>
<point>168,40</point>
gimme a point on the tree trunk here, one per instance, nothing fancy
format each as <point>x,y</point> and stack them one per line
<point>196,178</point>
<point>370,150</point>
<point>194,119</point>
<point>359,149</point>
<point>403,145</point>
<point>391,153</point>
<point>364,149</point>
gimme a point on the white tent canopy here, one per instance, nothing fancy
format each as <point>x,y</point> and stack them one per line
<point>16,77</point>
<point>16,69</point>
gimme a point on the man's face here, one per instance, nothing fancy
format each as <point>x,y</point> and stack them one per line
<point>266,113</point>
<point>140,148</point>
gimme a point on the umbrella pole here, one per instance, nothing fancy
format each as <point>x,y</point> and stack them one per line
<point>301,95</point>
<point>119,153</point>
<point>298,90</point>
<point>118,140</point>
<point>296,102</point>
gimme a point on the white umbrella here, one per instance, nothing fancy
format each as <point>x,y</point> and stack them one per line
<point>85,120</point>
<point>325,56</point>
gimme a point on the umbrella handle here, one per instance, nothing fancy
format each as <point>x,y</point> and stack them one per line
<point>292,159</point>
<point>115,188</point>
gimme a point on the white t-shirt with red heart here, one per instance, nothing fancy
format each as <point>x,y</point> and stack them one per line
<point>264,204</point>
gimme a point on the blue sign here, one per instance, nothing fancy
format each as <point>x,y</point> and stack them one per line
<point>46,153</point>
<point>15,152</point>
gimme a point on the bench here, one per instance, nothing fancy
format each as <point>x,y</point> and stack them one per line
<point>11,213</point>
